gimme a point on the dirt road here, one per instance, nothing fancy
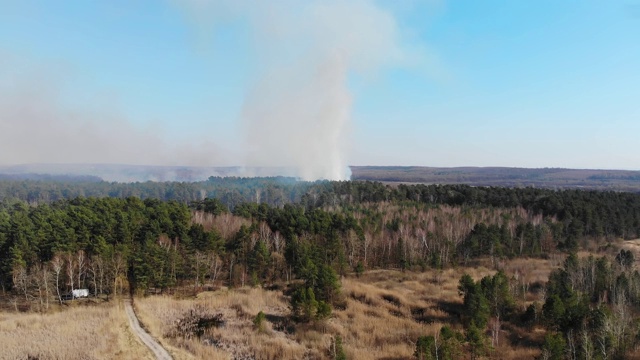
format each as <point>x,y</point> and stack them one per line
<point>156,348</point>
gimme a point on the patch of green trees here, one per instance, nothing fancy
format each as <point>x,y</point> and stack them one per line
<point>153,237</point>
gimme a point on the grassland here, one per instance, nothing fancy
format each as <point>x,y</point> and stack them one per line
<point>384,312</point>
<point>97,331</point>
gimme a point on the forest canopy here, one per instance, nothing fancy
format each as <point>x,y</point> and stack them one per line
<point>158,237</point>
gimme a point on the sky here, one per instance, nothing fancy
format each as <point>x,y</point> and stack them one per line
<point>321,84</point>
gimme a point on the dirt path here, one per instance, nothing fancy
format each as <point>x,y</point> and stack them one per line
<point>156,348</point>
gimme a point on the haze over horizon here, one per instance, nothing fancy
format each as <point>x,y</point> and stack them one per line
<point>319,85</point>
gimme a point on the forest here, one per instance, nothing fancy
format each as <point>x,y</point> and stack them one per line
<point>303,238</point>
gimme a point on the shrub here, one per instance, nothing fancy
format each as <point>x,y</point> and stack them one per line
<point>359,269</point>
<point>477,341</point>
<point>338,351</point>
<point>195,322</point>
<point>304,304</point>
<point>425,348</point>
<point>553,347</point>
<point>450,346</point>
<point>323,311</point>
<point>258,321</point>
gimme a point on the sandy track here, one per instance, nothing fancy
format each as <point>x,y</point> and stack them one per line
<point>156,348</point>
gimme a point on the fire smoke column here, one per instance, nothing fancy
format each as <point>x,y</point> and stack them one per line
<point>300,120</point>
<point>298,111</point>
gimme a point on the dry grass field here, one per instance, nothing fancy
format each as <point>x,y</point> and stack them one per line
<point>81,332</point>
<point>237,337</point>
<point>385,311</point>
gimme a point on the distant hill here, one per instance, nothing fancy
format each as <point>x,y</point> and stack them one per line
<point>618,180</point>
<point>48,177</point>
<point>554,178</point>
<point>137,173</point>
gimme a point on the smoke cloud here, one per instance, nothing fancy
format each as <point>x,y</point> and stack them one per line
<point>37,126</point>
<point>298,111</point>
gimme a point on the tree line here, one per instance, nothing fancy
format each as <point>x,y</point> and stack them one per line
<point>343,225</point>
<point>312,233</point>
<point>582,213</point>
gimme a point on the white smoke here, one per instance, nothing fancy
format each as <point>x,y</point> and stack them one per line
<point>298,112</point>
<point>36,126</point>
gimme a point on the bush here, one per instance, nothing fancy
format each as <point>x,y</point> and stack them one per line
<point>195,322</point>
<point>338,351</point>
<point>258,321</point>
<point>425,348</point>
<point>554,346</point>
<point>323,311</point>
<point>450,346</point>
<point>530,316</point>
<point>359,269</point>
<point>305,306</point>
<point>477,341</point>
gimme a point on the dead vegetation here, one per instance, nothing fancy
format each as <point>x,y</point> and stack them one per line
<point>384,313</point>
<point>236,337</point>
<point>81,332</point>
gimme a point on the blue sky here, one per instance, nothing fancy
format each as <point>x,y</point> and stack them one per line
<point>497,83</point>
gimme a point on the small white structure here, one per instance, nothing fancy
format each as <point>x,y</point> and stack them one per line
<point>80,293</point>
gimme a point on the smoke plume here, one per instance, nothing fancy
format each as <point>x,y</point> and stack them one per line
<point>37,126</point>
<point>298,111</point>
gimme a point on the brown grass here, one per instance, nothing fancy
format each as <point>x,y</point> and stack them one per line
<point>82,332</point>
<point>237,337</point>
<point>385,313</point>
<point>388,310</point>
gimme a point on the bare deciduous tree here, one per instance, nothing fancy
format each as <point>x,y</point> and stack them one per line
<point>57,264</point>
<point>46,281</point>
<point>14,301</point>
<point>40,278</point>
<point>587,346</point>
<point>81,265</point>
<point>21,280</point>
<point>494,326</point>
<point>71,267</point>
<point>94,272</point>
<point>117,267</point>
<point>215,267</point>
<point>101,272</point>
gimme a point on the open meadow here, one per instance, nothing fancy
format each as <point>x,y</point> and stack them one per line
<point>381,315</point>
<point>81,331</point>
